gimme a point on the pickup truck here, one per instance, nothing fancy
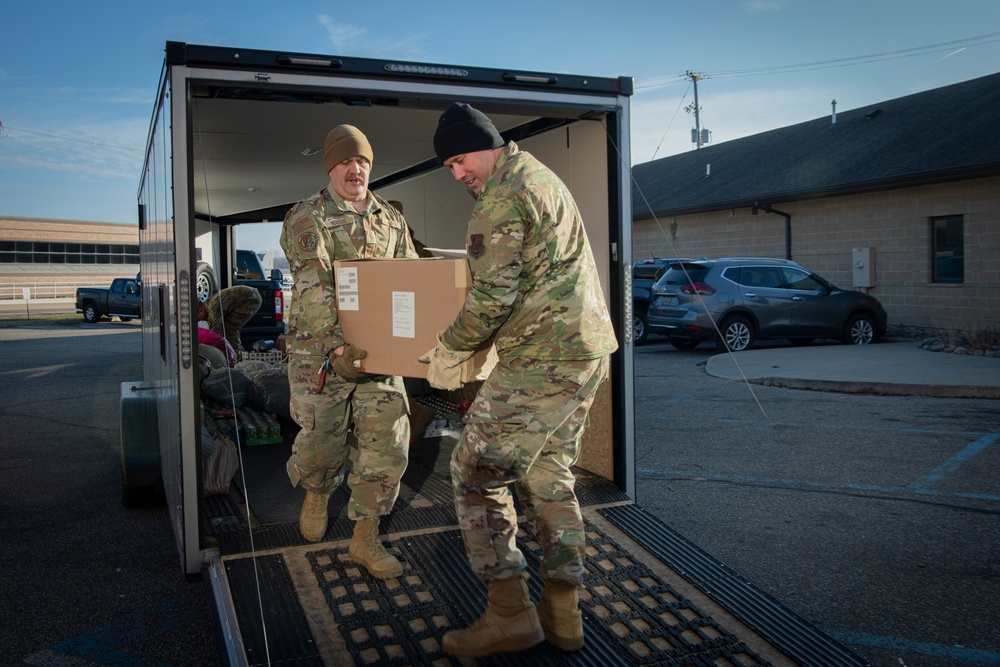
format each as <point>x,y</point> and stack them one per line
<point>269,321</point>
<point>122,300</point>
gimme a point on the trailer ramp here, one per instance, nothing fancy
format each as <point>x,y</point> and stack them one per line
<point>650,597</point>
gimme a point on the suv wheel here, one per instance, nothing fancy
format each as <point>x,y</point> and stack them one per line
<point>639,330</point>
<point>737,334</point>
<point>860,330</point>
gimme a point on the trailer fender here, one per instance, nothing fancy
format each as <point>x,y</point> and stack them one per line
<point>140,444</point>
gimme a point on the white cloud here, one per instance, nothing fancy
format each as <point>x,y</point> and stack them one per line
<point>347,38</point>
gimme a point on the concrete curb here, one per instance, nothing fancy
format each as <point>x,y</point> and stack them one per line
<point>881,388</point>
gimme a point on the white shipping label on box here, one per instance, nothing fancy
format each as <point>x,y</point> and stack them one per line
<point>347,288</point>
<point>404,323</point>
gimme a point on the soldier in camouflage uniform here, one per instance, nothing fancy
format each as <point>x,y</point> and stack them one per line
<point>536,293</point>
<point>329,395</point>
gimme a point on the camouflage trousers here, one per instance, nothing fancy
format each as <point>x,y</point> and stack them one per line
<point>372,412</point>
<point>524,428</point>
<point>231,308</point>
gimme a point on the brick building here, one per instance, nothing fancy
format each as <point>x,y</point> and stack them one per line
<point>901,200</point>
<point>53,257</point>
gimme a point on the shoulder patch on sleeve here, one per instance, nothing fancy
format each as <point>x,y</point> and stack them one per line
<point>308,241</point>
<point>477,246</point>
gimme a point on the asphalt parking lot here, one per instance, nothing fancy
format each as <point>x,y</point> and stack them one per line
<point>875,518</point>
<point>86,582</point>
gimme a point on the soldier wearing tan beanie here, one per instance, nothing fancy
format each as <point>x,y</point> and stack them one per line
<point>329,391</point>
<point>344,142</point>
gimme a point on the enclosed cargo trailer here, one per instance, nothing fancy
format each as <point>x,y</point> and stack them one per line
<point>236,139</point>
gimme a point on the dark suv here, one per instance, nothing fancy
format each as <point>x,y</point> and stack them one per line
<point>645,273</point>
<point>736,301</point>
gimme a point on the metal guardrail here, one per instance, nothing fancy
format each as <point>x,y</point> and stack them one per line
<point>44,290</point>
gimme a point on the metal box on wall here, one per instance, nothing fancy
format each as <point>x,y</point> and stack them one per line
<point>862,267</point>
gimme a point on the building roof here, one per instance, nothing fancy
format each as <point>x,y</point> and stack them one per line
<point>944,134</point>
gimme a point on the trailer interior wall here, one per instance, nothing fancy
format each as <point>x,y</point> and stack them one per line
<point>440,205</point>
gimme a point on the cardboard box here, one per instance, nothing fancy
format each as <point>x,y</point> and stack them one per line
<point>394,309</point>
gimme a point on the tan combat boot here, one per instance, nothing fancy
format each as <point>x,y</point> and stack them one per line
<point>510,623</point>
<point>312,518</point>
<point>559,614</point>
<point>367,550</point>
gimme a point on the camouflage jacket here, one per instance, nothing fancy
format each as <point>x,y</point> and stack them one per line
<point>535,287</point>
<point>318,231</point>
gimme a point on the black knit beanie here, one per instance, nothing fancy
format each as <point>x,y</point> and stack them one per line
<point>462,129</point>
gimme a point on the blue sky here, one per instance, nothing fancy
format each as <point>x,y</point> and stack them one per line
<point>77,79</point>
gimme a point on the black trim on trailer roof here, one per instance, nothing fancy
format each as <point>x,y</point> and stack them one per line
<point>180,53</point>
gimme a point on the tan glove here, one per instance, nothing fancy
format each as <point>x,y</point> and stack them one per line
<point>445,371</point>
<point>346,364</point>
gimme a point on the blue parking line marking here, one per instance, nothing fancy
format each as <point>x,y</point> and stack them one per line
<point>961,653</point>
<point>952,464</point>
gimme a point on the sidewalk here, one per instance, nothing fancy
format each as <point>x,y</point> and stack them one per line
<point>890,368</point>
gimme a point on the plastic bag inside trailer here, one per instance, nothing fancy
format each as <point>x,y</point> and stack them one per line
<point>235,139</point>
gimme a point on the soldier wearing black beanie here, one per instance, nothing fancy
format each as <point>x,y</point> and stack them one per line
<point>536,296</point>
<point>462,129</point>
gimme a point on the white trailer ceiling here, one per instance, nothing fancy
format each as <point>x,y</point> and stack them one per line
<point>253,154</point>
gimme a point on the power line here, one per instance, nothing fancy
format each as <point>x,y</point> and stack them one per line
<point>861,60</point>
<point>56,136</point>
<point>670,124</point>
<point>837,62</point>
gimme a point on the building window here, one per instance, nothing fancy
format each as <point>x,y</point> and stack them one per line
<point>45,252</point>
<point>947,250</point>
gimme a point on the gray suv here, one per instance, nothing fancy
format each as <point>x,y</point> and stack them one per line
<point>750,299</point>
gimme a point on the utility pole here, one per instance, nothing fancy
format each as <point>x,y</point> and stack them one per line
<point>695,78</point>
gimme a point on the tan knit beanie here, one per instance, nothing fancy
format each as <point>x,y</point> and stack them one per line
<point>344,142</point>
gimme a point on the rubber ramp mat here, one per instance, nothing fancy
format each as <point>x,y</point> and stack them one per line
<point>233,538</point>
<point>289,641</point>
<point>631,616</point>
<point>425,501</point>
<point>759,611</point>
